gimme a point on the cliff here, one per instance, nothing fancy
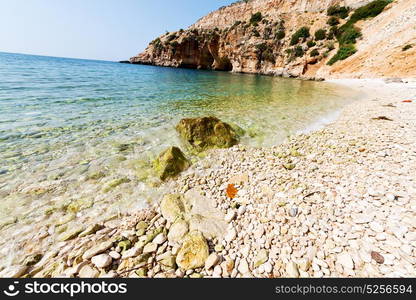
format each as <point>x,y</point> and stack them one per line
<point>297,38</point>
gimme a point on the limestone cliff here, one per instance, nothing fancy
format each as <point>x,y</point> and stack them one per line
<point>297,38</point>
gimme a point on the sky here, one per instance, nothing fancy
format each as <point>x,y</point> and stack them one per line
<point>93,29</point>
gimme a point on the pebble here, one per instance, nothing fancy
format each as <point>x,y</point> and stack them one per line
<point>231,235</point>
<point>102,261</point>
<point>345,260</point>
<point>160,239</point>
<point>292,270</point>
<point>212,260</point>
<point>230,216</point>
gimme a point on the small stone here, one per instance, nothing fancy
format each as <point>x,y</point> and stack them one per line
<point>363,218</point>
<point>261,258</point>
<point>115,255</point>
<point>101,261</point>
<point>13,272</point>
<point>217,272</point>
<point>150,248</point>
<point>293,212</point>
<point>241,210</point>
<point>178,231</point>
<point>88,272</point>
<point>141,228</point>
<point>292,270</point>
<point>97,250</point>
<point>133,252</point>
<point>268,268</point>
<point>160,239</point>
<point>212,261</point>
<point>259,232</point>
<point>231,235</point>
<point>230,216</point>
<point>378,258</point>
<point>124,245</point>
<point>90,230</point>
<point>243,267</point>
<point>304,264</point>
<point>377,227</point>
<point>346,261</point>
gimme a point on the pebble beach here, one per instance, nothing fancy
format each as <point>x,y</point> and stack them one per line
<point>336,202</point>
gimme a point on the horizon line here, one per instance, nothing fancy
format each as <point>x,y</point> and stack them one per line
<point>54,56</point>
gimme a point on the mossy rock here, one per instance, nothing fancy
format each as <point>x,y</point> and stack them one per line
<point>115,183</point>
<point>207,132</point>
<point>170,163</point>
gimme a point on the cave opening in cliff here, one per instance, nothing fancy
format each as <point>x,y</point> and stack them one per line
<point>224,64</point>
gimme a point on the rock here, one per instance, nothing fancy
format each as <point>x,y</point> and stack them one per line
<point>124,245</point>
<point>346,261</point>
<point>97,249</point>
<point>377,227</point>
<point>212,260</point>
<point>170,163</point>
<point>32,260</point>
<point>230,216</point>
<point>362,218</point>
<point>293,212</point>
<point>167,260</point>
<point>231,235</point>
<point>207,132</point>
<point>172,207</point>
<point>14,272</point>
<point>150,248</point>
<point>261,258</point>
<point>141,228</point>
<point>194,251</point>
<point>70,234</point>
<point>217,272</point>
<point>242,210</point>
<point>101,261</point>
<point>133,252</point>
<point>268,268</point>
<point>239,179</point>
<point>178,231</point>
<point>115,255</point>
<point>292,270</point>
<point>243,267</point>
<point>304,264</point>
<point>90,230</point>
<point>88,272</point>
<point>160,239</point>
<point>378,258</point>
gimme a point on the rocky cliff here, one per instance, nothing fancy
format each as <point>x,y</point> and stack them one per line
<point>297,38</point>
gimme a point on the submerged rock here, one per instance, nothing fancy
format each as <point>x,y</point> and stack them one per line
<point>170,163</point>
<point>194,251</point>
<point>207,132</point>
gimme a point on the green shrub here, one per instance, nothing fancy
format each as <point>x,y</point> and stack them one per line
<point>298,51</point>
<point>314,53</point>
<point>407,47</point>
<point>343,53</point>
<point>349,36</point>
<point>256,33</point>
<point>320,35</point>
<point>333,32</point>
<point>256,18</point>
<point>280,35</point>
<point>265,53</point>
<point>370,10</point>
<point>333,21</point>
<point>330,46</point>
<point>339,11</point>
<point>301,33</point>
<point>311,44</point>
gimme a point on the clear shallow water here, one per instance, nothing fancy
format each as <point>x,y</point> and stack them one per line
<point>69,128</point>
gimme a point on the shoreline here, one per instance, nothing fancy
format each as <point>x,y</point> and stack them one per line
<point>338,201</point>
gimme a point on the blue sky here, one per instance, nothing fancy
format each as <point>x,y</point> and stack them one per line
<point>94,29</point>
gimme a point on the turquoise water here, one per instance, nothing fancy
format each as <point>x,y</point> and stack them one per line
<point>69,128</point>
